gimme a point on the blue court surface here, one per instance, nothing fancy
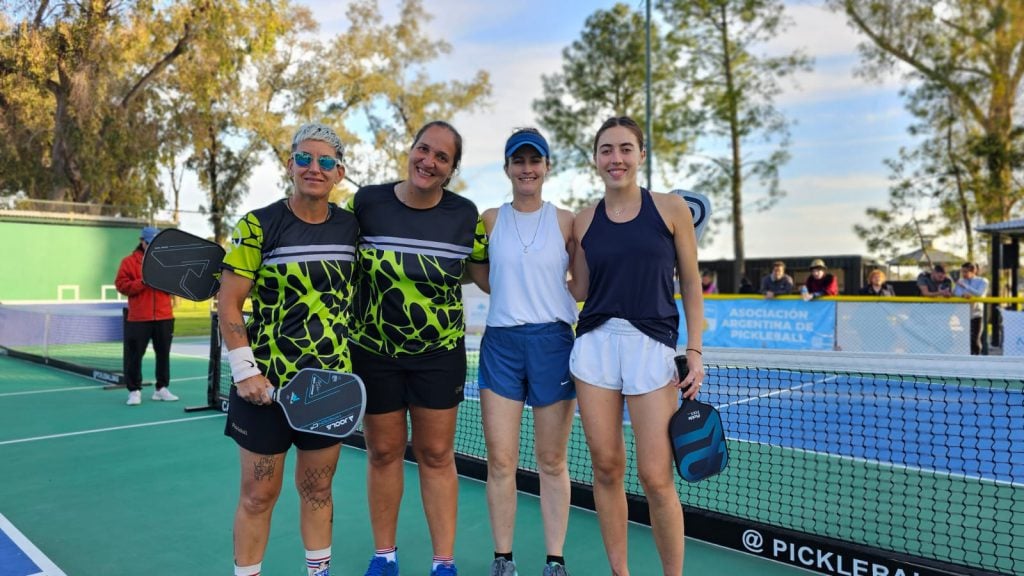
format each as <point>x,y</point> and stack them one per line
<point>924,424</point>
<point>19,557</point>
<point>865,418</point>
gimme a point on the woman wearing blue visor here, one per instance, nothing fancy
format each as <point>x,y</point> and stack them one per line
<point>524,356</point>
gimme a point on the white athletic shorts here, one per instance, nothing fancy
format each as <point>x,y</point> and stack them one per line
<point>617,356</point>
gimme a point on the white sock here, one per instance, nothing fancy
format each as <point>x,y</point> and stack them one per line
<point>389,554</point>
<point>318,562</point>
<point>253,570</point>
<point>438,560</point>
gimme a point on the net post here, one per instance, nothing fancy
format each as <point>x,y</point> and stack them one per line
<point>213,370</point>
<point>123,381</point>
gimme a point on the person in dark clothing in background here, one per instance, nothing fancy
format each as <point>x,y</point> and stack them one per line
<point>777,283</point>
<point>150,317</point>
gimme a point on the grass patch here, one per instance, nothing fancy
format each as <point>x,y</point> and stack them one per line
<point>191,318</point>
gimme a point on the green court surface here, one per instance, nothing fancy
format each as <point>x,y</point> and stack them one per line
<point>103,489</point>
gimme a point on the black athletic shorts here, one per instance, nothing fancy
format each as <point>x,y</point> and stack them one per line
<point>265,430</point>
<point>432,380</point>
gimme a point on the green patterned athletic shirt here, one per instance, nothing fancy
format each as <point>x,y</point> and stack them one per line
<point>409,295</point>
<point>302,290</point>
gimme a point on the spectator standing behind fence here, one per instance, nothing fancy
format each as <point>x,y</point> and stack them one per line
<point>150,317</point>
<point>707,282</point>
<point>970,285</point>
<point>746,287</point>
<point>877,286</point>
<point>820,282</point>
<point>935,284</point>
<point>777,283</point>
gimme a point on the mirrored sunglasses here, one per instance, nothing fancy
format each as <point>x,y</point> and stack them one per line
<point>326,163</point>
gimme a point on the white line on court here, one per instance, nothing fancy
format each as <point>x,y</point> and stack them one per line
<point>68,389</point>
<point>98,430</point>
<point>189,378</point>
<point>26,546</point>
<point>76,388</point>
<point>776,392</point>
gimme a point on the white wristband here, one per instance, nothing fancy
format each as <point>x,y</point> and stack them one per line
<point>243,364</point>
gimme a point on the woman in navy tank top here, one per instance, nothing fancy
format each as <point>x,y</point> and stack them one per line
<point>628,248</point>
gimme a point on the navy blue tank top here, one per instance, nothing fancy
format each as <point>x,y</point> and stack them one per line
<point>632,266</point>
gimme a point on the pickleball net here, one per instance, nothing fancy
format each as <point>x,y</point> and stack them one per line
<point>847,463</point>
<point>85,338</point>
<point>840,463</point>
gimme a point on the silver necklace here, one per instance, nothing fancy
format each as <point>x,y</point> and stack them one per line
<point>288,205</point>
<point>515,221</point>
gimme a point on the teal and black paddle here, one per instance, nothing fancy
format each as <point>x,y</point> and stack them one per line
<point>322,402</point>
<point>698,439</point>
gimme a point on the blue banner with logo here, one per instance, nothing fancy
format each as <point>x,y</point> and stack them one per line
<point>782,324</point>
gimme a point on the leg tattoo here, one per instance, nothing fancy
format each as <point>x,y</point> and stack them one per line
<point>307,487</point>
<point>264,467</point>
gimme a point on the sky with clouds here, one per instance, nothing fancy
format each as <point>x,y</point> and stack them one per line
<point>844,126</point>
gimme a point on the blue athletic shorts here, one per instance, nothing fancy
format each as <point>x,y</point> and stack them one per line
<point>528,363</point>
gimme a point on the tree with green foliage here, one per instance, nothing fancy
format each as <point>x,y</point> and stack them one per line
<point>384,79</point>
<point>604,74</point>
<point>736,86</point>
<point>78,78</point>
<point>969,53</point>
<point>99,98</point>
<point>935,183</point>
<point>219,98</point>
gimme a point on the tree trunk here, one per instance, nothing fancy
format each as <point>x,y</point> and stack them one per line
<point>212,173</point>
<point>735,171</point>
<point>961,194</point>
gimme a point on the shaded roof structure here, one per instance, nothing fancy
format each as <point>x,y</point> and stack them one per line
<point>1010,227</point>
<point>923,257</point>
<point>1005,243</point>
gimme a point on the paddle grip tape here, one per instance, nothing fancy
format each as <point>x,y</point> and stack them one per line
<point>243,364</point>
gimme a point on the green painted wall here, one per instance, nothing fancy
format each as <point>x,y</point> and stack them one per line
<point>37,257</point>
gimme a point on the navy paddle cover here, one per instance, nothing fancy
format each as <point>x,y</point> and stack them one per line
<point>697,436</point>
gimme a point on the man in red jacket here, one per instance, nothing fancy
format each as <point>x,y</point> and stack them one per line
<point>150,317</point>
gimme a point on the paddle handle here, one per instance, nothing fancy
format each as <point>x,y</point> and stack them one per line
<point>273,393</point>
<point>683,368</point>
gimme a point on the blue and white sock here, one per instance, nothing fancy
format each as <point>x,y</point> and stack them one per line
<point>253,570</point>
<point>438,560</point>
<point>318,562</point>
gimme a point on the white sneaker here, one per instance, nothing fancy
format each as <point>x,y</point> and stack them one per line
<point>164,394</point>
<point>134,398</point>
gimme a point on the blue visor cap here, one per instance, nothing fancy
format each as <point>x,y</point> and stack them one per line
<point>520,139</point>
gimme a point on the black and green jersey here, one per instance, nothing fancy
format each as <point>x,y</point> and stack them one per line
<point>302,290</point>
<point>409,297</point>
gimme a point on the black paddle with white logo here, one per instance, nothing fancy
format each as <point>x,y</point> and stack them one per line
<point>182,264</point>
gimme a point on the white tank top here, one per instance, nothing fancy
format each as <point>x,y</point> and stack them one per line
<point>528,269</point>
